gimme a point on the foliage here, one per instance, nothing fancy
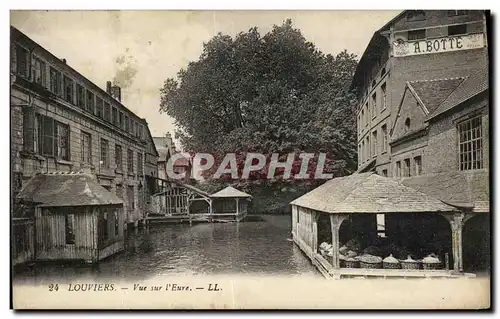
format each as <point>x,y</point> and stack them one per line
<point>265,94</point>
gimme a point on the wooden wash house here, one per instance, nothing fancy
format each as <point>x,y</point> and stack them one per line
<point>75,218</point>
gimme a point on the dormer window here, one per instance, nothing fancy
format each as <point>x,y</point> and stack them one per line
<point>416,15</point>
<point>407,124</point>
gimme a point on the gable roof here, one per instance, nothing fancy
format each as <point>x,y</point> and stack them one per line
<point>369,193</point>
<point>66,189</point>
<point>431,93</point>
<point>458,188</point>
<point>230,192</point>
<point>474,84</point>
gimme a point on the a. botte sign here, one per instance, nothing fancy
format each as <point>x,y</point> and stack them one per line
<point>439,45</point>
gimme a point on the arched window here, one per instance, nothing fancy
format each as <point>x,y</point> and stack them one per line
<point>415,15</point>
<point>407,124</point>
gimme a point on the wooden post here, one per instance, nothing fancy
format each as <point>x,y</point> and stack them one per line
<point>335,221</point>
<point>210,210</point>
<point>315,231</point>
<point>237,209</point>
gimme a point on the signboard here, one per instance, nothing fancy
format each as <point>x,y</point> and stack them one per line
<point>439,45</point>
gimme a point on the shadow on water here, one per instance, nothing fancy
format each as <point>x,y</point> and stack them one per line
<point>258,245</point>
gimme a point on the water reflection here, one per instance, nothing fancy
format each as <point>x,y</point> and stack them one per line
<point>253,247</point>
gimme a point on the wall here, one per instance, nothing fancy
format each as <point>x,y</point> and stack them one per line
<point>51,235</point>
<point>442,151</point>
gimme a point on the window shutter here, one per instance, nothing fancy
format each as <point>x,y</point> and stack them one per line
<point>28,129</point>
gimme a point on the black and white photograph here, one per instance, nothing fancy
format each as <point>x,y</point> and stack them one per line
<point>239,159</point>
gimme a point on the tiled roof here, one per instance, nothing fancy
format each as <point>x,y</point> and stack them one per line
<point>473,85</point>
<point>459,188</point>
<point>433,92</point>
<point>230,192</point>
<point>66,189</point>
<point>369,193</point>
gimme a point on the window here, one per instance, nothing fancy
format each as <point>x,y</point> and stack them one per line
<point>106,112</point>
<point>22,61</point>
<point>115,116</point>
<point>452,13</point>
<point>140,195</point>
<point>418,165</point>
<point>457,29</point>
<point>407,124</point>
<point>86,145</point>
<point>54,138</point>
<point>69,220</point>
<point>415,15</point>
<point>99,107</point>
<point>139,163</point>
<point>104,153</point>
<point>136,128</point>
<point>118,157</point>
<point>360,157</point>
<point>384,138</point>
<point>384,173</point>
<point>126,123</point>
<point>31,131</point>
<point>131,126</point>
<point>362,116</point>
<point>407,167</point>
<point>416,35</point>
<point>130,161</point>
<point>121,120</point>
<point>380,225</point>
<point>55,81</point>
<point>374,105</point>
<point>470,141</point>
<point>366,114</point>
<point>398,169</point>
<point>80,96</point>
<point>382,73</point>
<point>104,233</point>
<point>383,87</point>
<point>117,227</point>
<point>374,145</point>
<point>38,71</point>
<point>368,153</point>
<point>69,89</point>
<point>363,152</point>
<point>90,102</point>
<point>130,196</point>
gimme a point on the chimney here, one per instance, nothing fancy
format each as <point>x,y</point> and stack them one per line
<point>63,60</point>
<point>116,92</point>
<point>108,87</point>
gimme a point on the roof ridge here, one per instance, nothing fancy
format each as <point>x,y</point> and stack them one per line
<point>439,79</point>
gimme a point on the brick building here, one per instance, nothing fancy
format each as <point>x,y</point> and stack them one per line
<point>62,122</point>
<point>415,46</point>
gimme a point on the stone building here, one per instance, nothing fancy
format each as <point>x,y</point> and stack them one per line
<point>413,47</point>
<point>63,122</point>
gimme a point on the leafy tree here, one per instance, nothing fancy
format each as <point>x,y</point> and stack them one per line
<point>271,93</point>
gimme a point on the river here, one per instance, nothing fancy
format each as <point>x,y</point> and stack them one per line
<point>259,246</point>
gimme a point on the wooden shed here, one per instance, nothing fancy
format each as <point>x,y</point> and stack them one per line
<point>230,203</point>
<point>348,207</point>
<point>75,217</point>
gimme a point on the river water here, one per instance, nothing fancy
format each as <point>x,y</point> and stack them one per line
<point>260,246</point>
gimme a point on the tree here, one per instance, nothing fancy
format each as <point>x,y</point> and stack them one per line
<point>271,93</point>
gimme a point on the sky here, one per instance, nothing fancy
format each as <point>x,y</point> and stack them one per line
<point>141,49</point>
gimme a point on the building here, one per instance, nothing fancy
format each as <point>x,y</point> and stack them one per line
<point>419,46</point>
<point>62,122</point>
<point>166,149</point>
<point>422,184</point>
<point>76,219</point>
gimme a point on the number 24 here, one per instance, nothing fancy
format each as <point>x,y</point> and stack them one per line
<point>53,287</point>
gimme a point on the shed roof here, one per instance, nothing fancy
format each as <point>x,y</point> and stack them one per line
<point>66,189</point>
<point>458,188</point>
<point>369,193</point>
<point>230,192</point>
